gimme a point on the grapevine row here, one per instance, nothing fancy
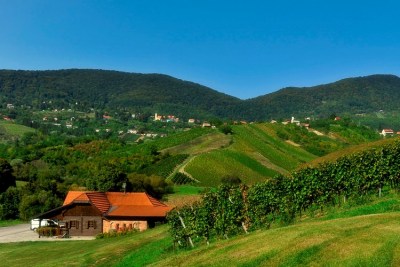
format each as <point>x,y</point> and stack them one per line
<point>233,209</point>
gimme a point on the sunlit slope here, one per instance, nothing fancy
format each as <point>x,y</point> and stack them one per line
<point>351,150</point>
<point>10,131</point>
<point>369,240</point>
<point>256,153</point>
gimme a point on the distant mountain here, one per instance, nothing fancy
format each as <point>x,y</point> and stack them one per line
<point>352,95</point>
<point>113,90</point>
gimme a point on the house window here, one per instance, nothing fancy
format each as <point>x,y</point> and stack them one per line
<point>74,224</point>
<point>91,224</point>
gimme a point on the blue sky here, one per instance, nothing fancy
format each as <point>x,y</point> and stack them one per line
<point>241,48</point>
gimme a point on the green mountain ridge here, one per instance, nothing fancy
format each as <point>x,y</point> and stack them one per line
<point>111,90</point>
<point>138,93</point>
<point>353,95</point>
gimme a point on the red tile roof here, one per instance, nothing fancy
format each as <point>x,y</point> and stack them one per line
<point>120,204</point>
<point>99,200</point>
<point>74,195</point>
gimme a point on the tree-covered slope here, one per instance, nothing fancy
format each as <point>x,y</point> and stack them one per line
<point>353,95</point>
<point>149,93</point>
<point>112,90</point>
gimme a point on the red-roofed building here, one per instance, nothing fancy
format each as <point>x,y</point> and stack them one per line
<point>387,132</point>
<point>90,213</point>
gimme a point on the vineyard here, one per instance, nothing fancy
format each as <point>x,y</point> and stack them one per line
<point>209,168</point>
<point>166,166</point>
<point>255,154</point>
<point>234,209</point>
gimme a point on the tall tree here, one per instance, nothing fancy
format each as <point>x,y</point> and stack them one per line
<point>7,178</point>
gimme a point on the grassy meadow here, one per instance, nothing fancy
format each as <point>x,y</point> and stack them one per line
<point>352,235</point>
<point>370,240</point>
<point>8,130</point>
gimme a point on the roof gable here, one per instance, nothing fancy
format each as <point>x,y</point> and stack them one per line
<point>97,199</point>
<point>74,195</point>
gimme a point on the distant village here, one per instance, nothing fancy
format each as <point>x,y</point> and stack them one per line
<point>69,123</point>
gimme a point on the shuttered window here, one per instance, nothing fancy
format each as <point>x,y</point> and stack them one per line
<point>91,224</point>
<point>74,224</point>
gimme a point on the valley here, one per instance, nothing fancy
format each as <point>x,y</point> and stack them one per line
<point>74,130</point>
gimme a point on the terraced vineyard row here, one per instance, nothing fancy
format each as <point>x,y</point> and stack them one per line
<point>256,154</point>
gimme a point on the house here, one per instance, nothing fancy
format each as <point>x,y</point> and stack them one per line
<point>387,132</point>
<point>206,125</point>
<point>157,117</point>
<point>90,213</point>
<point>132,131</point>
<point>293,120</point>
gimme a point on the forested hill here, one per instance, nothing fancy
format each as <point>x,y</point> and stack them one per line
<point>110,90</point>
<point>114,91</point>
<point>353,95</point>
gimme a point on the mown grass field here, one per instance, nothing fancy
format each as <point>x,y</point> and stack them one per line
<point>369,240</point>
<point>363,235</point>
<point>14,129</point>
<point>101,252</point>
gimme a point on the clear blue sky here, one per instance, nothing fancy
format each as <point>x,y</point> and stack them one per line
<point>242,48</point>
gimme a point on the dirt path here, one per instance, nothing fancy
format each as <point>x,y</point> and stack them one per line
<point>267,163</point>
<point>181,168</point>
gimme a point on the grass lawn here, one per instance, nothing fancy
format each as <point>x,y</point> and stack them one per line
<point>15,129</point>
<point>368,240</point>
<point>6,223</point>
<point>100,252</point>
<point>180,190</point>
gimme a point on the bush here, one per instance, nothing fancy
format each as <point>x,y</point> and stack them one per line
<point>115,233</point>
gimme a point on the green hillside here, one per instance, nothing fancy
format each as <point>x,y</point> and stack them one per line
<point>331,157</point>
<point>10,131</point>
<point>352,96</point>
<point>371,99</point>
<point>365,235</point>
<point>112,91</point>
<point>259,151</point>
<point>371,240</point>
